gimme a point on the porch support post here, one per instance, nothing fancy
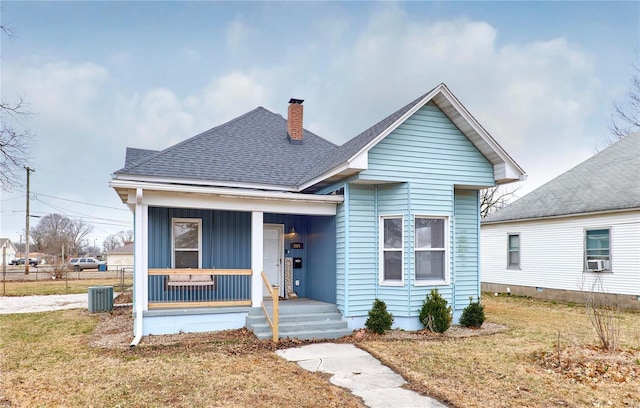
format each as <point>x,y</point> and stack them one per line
<point>140,260</point>
<point>256,257</point>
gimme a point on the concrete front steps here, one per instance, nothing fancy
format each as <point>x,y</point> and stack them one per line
<point>303,319</point>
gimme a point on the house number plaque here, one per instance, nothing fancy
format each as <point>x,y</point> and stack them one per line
<point>297,245</point>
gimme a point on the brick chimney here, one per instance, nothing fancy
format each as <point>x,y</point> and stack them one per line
<point>294,121</point>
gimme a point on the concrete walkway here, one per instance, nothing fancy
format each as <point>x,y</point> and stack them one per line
<point>360,372</point>
<point>32,304</point>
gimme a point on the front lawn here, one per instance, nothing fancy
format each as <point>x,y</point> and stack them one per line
<point>72,358</point>
<point>522,366</point>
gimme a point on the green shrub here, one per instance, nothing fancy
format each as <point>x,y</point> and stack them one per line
<point>379,319</point>
<point>472,315</point>
<point>435,315</point>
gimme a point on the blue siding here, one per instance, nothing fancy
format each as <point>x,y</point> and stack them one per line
<point>226,244</point>
<point>321,265</point>
<point>467,243</point>
<point>361,246</point>
<point>413,171</point>
<point>428,148</point>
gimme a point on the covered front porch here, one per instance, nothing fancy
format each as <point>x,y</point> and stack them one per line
<point>200,256</point>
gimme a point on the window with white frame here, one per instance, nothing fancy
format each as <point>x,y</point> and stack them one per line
<point>391,249</point>
<point>431,249</point>
<point>513,251</point>
<point>597,249</point>
<point>186,242</point>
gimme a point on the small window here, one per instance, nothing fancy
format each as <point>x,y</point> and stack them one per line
<point>391,248</point>
<point>187,239</point>
<point>430,249</point>
<point>597,249</point>
<point>513,251</point>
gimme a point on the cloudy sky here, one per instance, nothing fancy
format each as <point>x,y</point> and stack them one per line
<point>100,76</point>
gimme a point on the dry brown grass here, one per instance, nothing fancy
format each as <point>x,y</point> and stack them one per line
<point>72,358</point>
<point>59,286</point>
<point>56,359</point>
<point>519,367</point>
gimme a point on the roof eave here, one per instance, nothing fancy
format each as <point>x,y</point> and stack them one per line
<point>571,215</point>
<point>124,187</point>
<point>202,182</point>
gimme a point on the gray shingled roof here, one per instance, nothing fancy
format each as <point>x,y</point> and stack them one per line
<point>134,155</point>
<point>608,181</point>
<point>252,148</point>
<point>353,146</point>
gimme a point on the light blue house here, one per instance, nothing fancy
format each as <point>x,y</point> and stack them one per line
<point>390,214</point>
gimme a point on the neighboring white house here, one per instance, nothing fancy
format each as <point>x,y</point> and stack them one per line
<point>579,229</point>
<point>121,257</point>
<point>8,249</point>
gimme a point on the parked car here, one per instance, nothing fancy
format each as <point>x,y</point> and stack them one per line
<point>80,264</point>
<point>20,261</point>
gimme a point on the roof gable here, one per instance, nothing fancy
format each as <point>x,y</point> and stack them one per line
<point>505,168</point>
<point>608,181</point>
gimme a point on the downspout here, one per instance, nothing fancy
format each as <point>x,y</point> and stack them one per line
<point>137,284</point>
<point>411,250</point>
<point>346,249</point>
<point>454,252</point>
<point>377,238</point>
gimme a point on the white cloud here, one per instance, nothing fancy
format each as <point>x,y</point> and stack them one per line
<point>232,95</point>
<point>532,97</point>
<point>235,34</point>
<point>61,92</point>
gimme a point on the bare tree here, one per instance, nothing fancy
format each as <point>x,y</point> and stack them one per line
<point>111,242</point>
<point>117,240</point>
<point>13,143</point>
<point>626,117</point>
<point>496,198</point>
<point>125,236</point>
<point>55,230</point>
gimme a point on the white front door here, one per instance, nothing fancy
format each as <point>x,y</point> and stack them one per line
<point>273,251</point>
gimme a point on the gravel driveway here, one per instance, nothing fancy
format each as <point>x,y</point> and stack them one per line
<point>31,304</point>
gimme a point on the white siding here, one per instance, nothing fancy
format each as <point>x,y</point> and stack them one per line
<point>551,253</point>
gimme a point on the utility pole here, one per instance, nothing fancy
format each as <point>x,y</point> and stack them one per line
<point>26,244</point>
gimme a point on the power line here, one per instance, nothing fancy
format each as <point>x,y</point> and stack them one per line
<point>81,202</point>
<point>85,216</point>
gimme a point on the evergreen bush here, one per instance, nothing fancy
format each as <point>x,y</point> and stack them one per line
<point>435,315</point>
<point>379,319</point>
<point>473,314</point>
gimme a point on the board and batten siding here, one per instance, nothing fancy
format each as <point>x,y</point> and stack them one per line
<point>412,171</point>
<point>551,253</point>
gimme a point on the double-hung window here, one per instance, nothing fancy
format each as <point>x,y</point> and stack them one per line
<point>391,249</point>
<point>187,242</point>
<point>431,259</point>
<point>597,249</point>
<point>513,251</point>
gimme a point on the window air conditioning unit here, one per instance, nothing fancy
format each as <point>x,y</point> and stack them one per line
<point>595,265</point>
